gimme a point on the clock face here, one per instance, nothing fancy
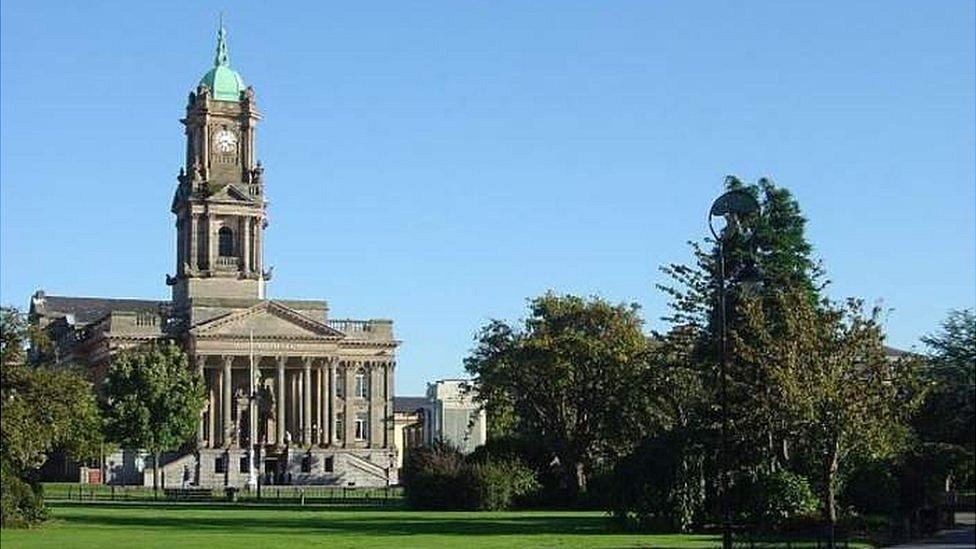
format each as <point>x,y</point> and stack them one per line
<point>225,141</point>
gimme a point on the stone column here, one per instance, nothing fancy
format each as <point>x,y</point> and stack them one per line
<point>246,244</point>
<point>280,417</point>
<point>211,241</point>
<point>322,403</point>
<point>211,407</point>
<point>180,244</point>
<point>194,255</point>
<point>226,399</point>
<point>200,359</point>
<point>258,236</point>
<point>348,411</point>
<point>307,402</point>
<point>392,400</point>
<point>332,400</point>
<point>388,427</point>
<point>376,408</point>
<point>294,429</point>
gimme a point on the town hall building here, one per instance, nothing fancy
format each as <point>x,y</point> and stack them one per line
<point>319,408</point>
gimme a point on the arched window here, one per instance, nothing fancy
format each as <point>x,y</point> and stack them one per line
<point>225,242</point>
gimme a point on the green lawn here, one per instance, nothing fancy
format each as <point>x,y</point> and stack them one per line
<point>117,526</point>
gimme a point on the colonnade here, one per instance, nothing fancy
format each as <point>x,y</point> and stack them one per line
<point>315,401</point>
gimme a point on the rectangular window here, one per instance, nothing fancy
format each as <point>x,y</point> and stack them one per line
<point>220,466</point>
<point>340,384</point>
<point>362,385</point>
<point>362,427</point>
<point>243,465</point>
<point>330,464</point>
<point>340,426</point>
<point>306,463</point>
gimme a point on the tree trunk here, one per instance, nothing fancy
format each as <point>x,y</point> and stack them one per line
<point>580,474</point>
<point>155,474</point>
<point>830,500</point>
<point>573,475</point>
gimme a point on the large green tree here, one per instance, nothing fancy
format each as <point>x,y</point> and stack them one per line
<point>837,391</point>
<point>570,379</point>
<point>153,400</point>
<point>44,408</point>
<point>777,257</point>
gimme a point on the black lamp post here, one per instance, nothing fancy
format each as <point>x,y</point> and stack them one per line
<point>734,206</point>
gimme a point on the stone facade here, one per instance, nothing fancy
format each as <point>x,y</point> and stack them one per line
<point>448,413</point>
<point>310,396</point>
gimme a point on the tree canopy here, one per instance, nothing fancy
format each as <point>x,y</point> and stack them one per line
<point>44,408</point>
<point>949,413</point>
<point>835,390</point>
<point>153,399</point>
<point>569,379</point>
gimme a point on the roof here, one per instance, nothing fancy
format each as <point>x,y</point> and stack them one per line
<point>225,83</point>
<point>89,309</point>
<point>892,352</point>
<point>408,404</point>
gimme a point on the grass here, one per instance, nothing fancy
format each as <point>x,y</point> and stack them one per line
<point>213,526</point>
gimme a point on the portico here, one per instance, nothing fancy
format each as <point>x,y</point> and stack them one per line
<point>309,377</point>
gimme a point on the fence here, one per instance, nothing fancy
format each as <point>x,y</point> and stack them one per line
<point>292,495</point>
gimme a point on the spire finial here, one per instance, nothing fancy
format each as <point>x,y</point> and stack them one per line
<point>221,58</point>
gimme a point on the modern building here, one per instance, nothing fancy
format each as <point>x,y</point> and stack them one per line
<point>448,413</point>
<point>322,406</point>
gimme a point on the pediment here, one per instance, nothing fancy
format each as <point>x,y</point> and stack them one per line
<point>267,319</point>
<point>231,193</point>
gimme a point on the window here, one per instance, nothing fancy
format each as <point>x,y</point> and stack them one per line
<point>306,463</point>
<point>362,426</point>
<point>339,426</point>
<point>225,242</point>
<point>220,466</point>
<point>362,385</point>
<point>340,384</point>
<point>330,464</point>
<point>243,465</point>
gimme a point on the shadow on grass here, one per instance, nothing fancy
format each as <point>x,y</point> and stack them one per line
<point>279,520</point>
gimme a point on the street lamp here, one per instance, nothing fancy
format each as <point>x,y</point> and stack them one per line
<point>735,206</point>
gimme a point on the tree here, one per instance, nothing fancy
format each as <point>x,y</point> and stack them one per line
<point>782,259</point>
<point>836,389</point>
<point>153,400</point>
<point>949,413</point>
<point>570,379</point>
<point>44,408</point>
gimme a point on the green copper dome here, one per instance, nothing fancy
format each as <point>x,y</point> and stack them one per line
<point>223,81</point>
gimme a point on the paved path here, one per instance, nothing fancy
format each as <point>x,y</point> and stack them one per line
<point>963,535</point>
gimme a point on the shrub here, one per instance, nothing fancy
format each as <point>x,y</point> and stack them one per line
<point>495,485</point>
<point>432,477</point>
<point>440,477</point>
<point>773,498</point>
<point>20,504</point>
<point>872,488</point>
<point>660,486</point>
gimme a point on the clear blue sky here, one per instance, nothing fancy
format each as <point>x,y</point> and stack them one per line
<point>437,163</point>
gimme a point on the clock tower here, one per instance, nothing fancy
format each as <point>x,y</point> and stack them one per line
<point>219,201</point>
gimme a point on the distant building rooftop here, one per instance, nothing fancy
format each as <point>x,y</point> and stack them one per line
<point>408,404</point>
<point>88,309</point>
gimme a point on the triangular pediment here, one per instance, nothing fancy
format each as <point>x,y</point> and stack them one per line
<point>267,319</point>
